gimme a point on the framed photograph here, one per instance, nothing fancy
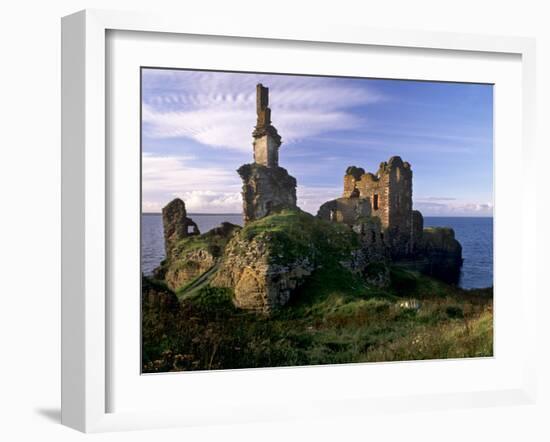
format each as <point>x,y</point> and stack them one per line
<point>252,213</point>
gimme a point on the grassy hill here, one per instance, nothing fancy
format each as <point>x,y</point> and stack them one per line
<point>333,318</point>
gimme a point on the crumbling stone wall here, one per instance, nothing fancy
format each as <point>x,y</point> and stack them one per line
<point>266,190</point>
<point>176,224</point>
<point>260,283</point>
<point>345,210</point>
<point>266,151</point>
<point>417,230</point>
<point>266,138</point>
<point>390,195</point>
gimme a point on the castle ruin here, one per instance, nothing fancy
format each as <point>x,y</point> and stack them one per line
<point>264,270</point>
<point>267,187</point>
<point>176,224</point>
<point>387,196</point>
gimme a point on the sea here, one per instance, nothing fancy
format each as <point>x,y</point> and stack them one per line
<point>475,235</point>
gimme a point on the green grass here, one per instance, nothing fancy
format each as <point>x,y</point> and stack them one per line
<point>333,318</point>
<point>292,234</point>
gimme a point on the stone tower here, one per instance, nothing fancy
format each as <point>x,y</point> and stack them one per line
<point>267,187</point>
<point>266,139</point>
<point>388,196</point>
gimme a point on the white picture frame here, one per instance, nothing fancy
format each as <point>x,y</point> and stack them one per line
<point>86,209</point>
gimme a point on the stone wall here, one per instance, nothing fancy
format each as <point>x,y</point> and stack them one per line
<point>417,229</point>
<point>266,138</point>
<point>389,192</point>
<point>260,283</point>
<point>345,210</point>
<point>176,224</point>
<point>266,190</point>
<point>266,151</point>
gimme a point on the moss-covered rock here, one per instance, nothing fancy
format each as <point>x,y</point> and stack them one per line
<point>193,256</point>
<point>270,258</point>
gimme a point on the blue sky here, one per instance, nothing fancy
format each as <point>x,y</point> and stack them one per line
<point>197,125</point>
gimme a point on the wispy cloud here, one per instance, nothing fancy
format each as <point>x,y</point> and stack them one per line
<point>197,130</point>
<point>438,206</point>
<point>219,110</point>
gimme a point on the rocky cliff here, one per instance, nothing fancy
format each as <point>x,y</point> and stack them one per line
<point>443,253</point>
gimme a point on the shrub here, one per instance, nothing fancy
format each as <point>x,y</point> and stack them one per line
<point>454,312</point>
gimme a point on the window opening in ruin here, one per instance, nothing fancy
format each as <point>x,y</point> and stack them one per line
<point>373,236</point>
<point>190,229</point>
<point>268,207</point>
<point>375,202</point>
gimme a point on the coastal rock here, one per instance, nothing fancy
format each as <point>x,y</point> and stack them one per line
<point>443,253</point>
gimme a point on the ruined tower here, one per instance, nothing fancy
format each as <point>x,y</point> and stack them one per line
<point>388,197</point>
<point>267,187</point>
<point>266,139</point>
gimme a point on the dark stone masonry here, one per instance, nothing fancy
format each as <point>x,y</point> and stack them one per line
<point>176,224</point>
<point>267,187</point>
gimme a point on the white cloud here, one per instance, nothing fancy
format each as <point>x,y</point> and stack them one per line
<point>204,189</point>
<point>219,110</point>
<point>311,198</point>
<point>208,190</point>
<point>448,206</point>
<point>207,201</point>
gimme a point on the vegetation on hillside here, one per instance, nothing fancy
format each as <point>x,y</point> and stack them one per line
<point>333,318</point>
<point>293,234</point>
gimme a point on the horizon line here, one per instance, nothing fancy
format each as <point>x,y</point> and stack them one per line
<point>240,214</point>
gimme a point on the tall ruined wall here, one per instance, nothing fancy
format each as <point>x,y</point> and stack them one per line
<point>399,202</point>
<point>390,196</point>
<point>266,151</point>
<point>417,230</point>
<point>266,190</point>
<point>266,138</point>
<point>176,224</point>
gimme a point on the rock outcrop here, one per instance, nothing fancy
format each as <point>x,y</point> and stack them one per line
<point>260,280</point>
<point>156,298</point>
<point>177,225</point>
<point>443,253</point>
<point>269,259</point>
<point>195,256</point>
<point>188,266</point>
